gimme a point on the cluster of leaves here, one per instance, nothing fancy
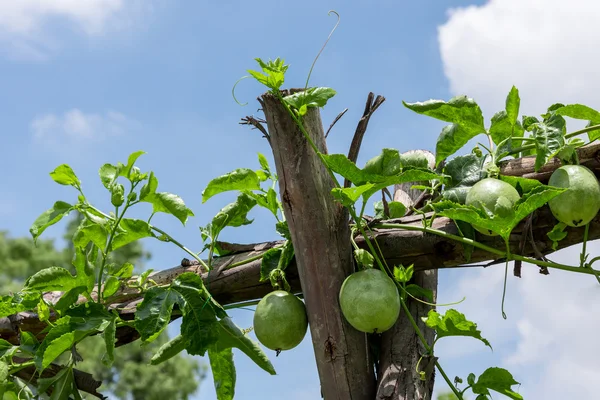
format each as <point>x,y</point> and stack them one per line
<point>205,325</point>
<point>450,181</point>
<point>247,183</point>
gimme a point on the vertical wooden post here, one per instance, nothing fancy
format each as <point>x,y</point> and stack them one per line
<point>321,238</point>
<point>401,348</point>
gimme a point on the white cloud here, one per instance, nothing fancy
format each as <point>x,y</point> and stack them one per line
<point>28,16</point>
<point>545,48</point>
<point>75,126</point>
<point>25,31</point>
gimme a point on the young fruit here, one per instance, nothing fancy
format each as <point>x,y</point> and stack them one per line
<point>370,301</point>
<point>494,195</point>
<point>581,202</point>
<point>280,321</point>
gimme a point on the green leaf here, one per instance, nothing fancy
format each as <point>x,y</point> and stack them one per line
<point>132,230</point>
<point>199,317</point>
<point>69,298</point>
<point>415,159</point>
<point>387,163</point>
<point>170,204</point>
<point>349,196</point>
<point>126,172</point>
<point>7,348</point>
<point>85,269</point>
<point>460,110</point>
<point>402,274</point>
<point>397,209</point>
<point>169,350</point>
<point>364,258</point>
<point>63,388</point>
<point>50,279</point>
<point>49,217</point>
<point>466,230</point>
<point>549,139</point>
<point>3,371</point>
<point>231,336</point>
<point>418,291</point>
<point>513,102</point>
<point>223,370</point>
<point>523,185</point>
<point>269,262</point>
<point>240,179</point>
<point>501,223</point>
<point>502,129</point>
<point>497,379</point>
<point>234,214</point>
<point>149,187</point>
<point>111,285</point>
<point>125,271</point>
<point>465,116</point>
<point>283,229</point>
<point>453,323</point>
<point>29,343</point>
<point>311,97</point>
<point>64,175</point>
<point>43,310</point>
<point>557,234</point>
<point>108,175</point>
<point>44,384</point>
<point>464,170</point>
<point>154,313</point>
<point>58,340</point>
<point>340,164</point>
<point>452,139</point>
<point>89,231</point>
<point>580,111</point>
<point>264,163</point>
<point>109,341</point>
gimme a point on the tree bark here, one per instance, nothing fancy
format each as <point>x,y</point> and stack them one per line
<point>401,348</point>
<point>321,239</point>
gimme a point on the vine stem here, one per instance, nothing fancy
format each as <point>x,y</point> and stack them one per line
<point>489,249</point>
<point>429,349</point>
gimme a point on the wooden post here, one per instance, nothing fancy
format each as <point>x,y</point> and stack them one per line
<point>321,238</point>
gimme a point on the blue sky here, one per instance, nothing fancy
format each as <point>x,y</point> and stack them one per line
<point>86,83</point>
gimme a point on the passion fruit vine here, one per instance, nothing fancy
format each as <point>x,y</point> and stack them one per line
<point>280,321</point>
<point>580,203</point>
<point>370,301</point>
<point>494,195</point>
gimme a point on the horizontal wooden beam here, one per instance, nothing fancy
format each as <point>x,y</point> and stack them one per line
<point>233,280</point>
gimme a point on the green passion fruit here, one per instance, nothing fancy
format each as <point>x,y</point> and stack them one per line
<point>580,203</point>
<point>491,194</point>
<point>280,321</point>
<point>370,301</point>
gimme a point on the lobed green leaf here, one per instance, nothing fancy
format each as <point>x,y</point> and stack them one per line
<point>453,323</point>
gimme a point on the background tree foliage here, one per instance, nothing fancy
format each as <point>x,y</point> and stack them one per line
<point>130,377</point>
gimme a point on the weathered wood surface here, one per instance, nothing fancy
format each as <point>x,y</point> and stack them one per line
<point>323,252</point>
